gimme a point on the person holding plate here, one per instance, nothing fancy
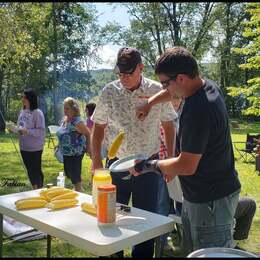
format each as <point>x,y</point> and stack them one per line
<point>31,129</point>
<point>115,111</point>
<point>205,158</point>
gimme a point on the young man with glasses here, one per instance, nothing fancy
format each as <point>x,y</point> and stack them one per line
<point>115,111</point>
<point>205,158</point>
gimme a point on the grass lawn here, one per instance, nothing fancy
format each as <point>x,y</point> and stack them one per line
<point>11,167</point>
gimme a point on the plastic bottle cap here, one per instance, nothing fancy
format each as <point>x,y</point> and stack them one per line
<point>107,187</point>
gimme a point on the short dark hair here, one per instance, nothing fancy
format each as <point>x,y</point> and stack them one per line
<point>32,98</point>
<point>90,107</point>
<point>177,60</point>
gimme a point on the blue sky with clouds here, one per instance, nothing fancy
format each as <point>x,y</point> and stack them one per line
<point>115,12</point>
<point>112,13</point>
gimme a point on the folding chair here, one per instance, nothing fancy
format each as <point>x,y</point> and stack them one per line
<point>16,231</point>
<point>52,129</point>
<point>246,149</point>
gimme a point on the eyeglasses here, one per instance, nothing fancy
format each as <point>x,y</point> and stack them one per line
<point>126,75</point>
<point>166,83</point>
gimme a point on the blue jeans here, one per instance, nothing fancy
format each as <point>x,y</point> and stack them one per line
<point>164,204</point>
<point>144,190</point>
<point>209,224</point>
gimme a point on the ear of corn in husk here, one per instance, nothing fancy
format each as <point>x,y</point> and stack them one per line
<point>68,195</point>
<point>89,208</point>
<point>30,204</point>
<point>32,198</point>
<point>115,145</point>
<point>61,204</point>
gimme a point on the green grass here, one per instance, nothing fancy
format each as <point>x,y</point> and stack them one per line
<point>11,167</point>
<point>250,180</point>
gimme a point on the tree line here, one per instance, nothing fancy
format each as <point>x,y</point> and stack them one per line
<point>50,47</point>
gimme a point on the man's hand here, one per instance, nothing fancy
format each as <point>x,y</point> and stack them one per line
<point>145,166</point>
<point>143,110</point>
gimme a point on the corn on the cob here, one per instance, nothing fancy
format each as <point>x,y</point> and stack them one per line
<point>44,192</point>
<point>89,208</point>
<point>50,195</point>
<point>31,198</point>
<point>30,204</point>
<point>68,195</point>
<point>115,145</point>
<point>60,204</point>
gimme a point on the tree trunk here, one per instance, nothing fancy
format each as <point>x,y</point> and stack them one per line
<point>225,56</point>
<point>55,56</point>
<point>173,23</point>
<point>2,111</point>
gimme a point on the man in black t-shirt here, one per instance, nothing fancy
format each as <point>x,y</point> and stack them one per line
<point>205,159</point>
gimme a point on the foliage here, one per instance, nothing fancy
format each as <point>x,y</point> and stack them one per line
<point>227,33</point>
<point>157,26</point>
<point>250,52</point>
<point>41,42</point>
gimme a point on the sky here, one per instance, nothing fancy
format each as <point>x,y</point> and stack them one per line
<point>115,13</point>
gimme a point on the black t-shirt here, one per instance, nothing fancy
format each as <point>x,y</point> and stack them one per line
<point>204,129</point>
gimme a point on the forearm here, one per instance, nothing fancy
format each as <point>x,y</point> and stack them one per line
<point>169,133</point>
<point>184,165</point>
<point>36,132</point>
<point>173,167</point>
<point>97,137</point>
<point>82,129</point>
<point>160,97</point>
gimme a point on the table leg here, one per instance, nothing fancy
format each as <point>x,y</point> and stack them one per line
<point>1,235</point>
<point>48,246</point>
<point>158,250</point>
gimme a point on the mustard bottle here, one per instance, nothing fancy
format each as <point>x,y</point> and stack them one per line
<point>101,177</point>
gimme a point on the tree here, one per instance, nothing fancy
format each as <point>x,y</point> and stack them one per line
<point>39,41</point>
<point>157,26</point>
<point>251,54</point>
<point>16,48</point>
<point>227,33</point>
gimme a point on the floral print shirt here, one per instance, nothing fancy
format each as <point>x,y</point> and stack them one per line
<point>71,142</point>
<point>116,107</point>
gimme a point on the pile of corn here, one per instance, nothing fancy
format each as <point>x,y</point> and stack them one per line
<point>53,198</point>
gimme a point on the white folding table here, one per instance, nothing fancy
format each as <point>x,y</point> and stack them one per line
<point>81,229</point>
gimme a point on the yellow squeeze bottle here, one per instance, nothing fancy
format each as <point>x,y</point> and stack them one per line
<point>101,177</point>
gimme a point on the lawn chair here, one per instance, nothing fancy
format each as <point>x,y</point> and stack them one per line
<point>246,149</point>
<point>16,231</point>
<point>52,130</point>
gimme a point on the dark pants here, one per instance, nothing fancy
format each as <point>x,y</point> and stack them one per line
<point>144,191</point>
<point>33,164</point>
<point>72,167</point>
<point>244,214</point>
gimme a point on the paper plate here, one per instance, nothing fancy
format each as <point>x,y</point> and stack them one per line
<point>220,252</point>
<point>125,163</point>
